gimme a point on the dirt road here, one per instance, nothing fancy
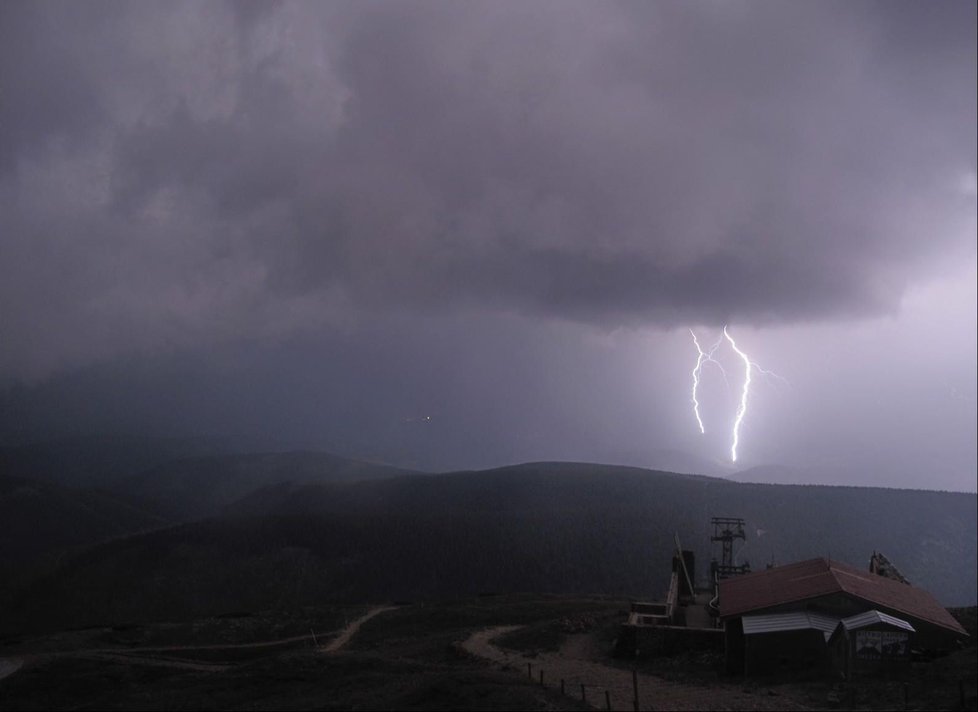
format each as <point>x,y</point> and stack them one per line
<point>216,646</point>
<point>654,693</point>
<point>347,633</point>
<point>156,660</point>
<point>168,655</point>
<point>8,666</point>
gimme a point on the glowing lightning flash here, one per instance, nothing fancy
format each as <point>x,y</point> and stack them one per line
<point>743,396</point>
<point>748,367</point>
<point>704,357</point>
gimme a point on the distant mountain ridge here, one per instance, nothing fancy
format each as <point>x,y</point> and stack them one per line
<point>42,521</point>
<point>195,487</point>
<point>97,461</point>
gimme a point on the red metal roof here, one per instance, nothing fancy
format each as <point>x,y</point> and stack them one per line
<point>821,577</point>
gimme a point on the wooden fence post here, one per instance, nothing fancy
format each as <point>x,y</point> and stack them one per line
<point>635,689</point>
<point>607,699</point>
<point>529,671</point>
<point>583,693</point>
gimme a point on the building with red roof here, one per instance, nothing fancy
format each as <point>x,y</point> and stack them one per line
<point>756,611</point>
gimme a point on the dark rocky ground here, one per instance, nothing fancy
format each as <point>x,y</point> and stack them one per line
<point>403,659</point>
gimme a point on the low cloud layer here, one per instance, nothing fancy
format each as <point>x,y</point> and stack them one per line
<point>172,175</point>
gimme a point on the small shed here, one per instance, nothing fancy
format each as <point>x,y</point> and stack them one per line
<point>870,641</point>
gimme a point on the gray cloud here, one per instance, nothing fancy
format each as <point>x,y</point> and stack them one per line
<point>177,174</point>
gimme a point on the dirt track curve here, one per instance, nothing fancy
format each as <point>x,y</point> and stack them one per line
<point>654,693</point>
<point>168,655</point>
<point>347,633</point>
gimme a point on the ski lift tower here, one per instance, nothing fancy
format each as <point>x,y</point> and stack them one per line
<point>725,531</point>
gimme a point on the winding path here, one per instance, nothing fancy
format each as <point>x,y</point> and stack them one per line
<point>8,666</point>
<point>654,692</point>
<point>157,655</point>
<point>347,633</point>
<point>179,664</point>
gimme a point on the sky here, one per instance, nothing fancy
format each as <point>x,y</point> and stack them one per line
<point>462,235</point>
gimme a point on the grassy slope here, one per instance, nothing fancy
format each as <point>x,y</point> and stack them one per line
<point>544,527</point>
<point>401,660</point>
<point>41,521</point>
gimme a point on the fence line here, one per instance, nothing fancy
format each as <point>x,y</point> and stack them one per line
<point>584,686</point>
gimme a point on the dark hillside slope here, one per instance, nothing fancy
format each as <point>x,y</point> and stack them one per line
<point>193,488</point>
<point>39,521</point>
<point>547,487</point>
<point>931,536</point>
<point>96,461</point>
<point>548,527</point>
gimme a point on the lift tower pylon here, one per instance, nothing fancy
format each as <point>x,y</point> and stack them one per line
<point>725,531</point>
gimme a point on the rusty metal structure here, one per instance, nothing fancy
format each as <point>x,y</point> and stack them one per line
<point>726,530</point>
<point>882,566</point>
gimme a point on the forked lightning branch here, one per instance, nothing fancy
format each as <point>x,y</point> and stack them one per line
<point>706,357</point>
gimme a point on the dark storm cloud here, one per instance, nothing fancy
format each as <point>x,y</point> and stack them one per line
<point>172,174</point>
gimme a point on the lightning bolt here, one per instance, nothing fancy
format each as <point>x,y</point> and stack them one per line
<point>749,366</point>
<point>739,418</point>
<point>704,357</point>
<point>770,374</point>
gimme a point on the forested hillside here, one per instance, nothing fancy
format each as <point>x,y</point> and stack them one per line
<point>547,527</point>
